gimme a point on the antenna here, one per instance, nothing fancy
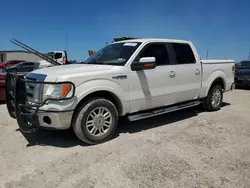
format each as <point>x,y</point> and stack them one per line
<point>67,45</point>
<point>29,49</point>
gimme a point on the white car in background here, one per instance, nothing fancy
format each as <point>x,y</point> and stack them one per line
<point>58,56</point>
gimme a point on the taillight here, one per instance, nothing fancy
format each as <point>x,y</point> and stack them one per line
<point>233,69</point>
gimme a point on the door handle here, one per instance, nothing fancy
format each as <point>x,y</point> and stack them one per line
<point>171,74</point>
<point>197,72</point>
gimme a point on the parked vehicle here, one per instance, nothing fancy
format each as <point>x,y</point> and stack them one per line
<point>2,86</point>
<point>23,67</point>
<point>58,56</point>
<point>137,78</point>
<point>242,73</point>
<point>9,63</point>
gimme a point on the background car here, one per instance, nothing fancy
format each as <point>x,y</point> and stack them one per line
<point>242,73</point>
<point>22,67</point>
<point>9,63</point>
<point>2,86</point>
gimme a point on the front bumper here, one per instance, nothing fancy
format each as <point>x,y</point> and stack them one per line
<point>241,82</point>
<point>30,117</point>
<point>55,120</point>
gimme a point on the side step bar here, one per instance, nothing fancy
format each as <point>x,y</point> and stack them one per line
<point>162,111</point>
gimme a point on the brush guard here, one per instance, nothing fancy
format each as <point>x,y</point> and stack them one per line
<point>16,101</point>
<point>19,108</point>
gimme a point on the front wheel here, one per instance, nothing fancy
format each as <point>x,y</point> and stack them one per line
<point>214,99</point>
<point>95,121</point>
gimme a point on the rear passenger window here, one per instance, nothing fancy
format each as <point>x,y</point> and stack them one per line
<point>184,53</point>
<point>158,51</point>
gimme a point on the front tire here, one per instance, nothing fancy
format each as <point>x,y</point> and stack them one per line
<point>95,121</point>
<point>214,99</point>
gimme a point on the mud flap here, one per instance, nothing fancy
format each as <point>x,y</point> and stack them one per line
<point>16,104</point>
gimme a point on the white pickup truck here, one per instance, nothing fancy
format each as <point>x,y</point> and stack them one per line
<point>137,79</point>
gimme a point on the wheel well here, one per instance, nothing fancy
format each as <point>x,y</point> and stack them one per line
<point>218,81</point>
<point>106,95</point>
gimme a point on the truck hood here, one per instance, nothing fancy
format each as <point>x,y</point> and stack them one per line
<point>71,70</point>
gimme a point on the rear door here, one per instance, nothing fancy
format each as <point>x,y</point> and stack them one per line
<point>186,71</point>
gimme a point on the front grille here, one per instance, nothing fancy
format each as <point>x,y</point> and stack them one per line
<point>30,87</point>
<point>33,89</point>
<point>244,77</point>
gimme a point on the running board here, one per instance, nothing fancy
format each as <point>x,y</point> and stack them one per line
<point>162,111</point>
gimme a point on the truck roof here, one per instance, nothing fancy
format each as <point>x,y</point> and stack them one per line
<point>154,40</point>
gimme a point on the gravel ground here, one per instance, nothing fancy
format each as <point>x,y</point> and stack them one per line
<point>189,148</point>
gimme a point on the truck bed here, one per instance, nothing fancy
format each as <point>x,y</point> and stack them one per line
<point>216,61</point>
<point>214,69</point>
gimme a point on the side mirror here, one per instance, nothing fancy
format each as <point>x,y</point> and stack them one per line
<point>144,64</point>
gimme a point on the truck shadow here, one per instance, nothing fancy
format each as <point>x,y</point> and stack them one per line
<point>162,120</point>
<point>65,139</point>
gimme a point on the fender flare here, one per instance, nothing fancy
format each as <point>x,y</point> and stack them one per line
<point>218,74</point>
<point>93,86</point>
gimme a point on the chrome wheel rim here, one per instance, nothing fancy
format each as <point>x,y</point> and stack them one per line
<point>216,98</point>
<point>99,121</point>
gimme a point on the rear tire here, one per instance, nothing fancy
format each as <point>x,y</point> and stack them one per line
<point>95,121</point>
<point>214,99</point>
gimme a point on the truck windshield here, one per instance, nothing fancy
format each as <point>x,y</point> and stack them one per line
<point>244,64</point>
<point>114,54</point>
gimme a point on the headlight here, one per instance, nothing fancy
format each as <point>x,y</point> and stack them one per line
<point>58,91</point>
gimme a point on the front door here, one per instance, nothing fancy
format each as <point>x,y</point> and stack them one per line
<point>152,88</point>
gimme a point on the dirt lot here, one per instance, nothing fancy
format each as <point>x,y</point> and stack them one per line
<point>183,149</point>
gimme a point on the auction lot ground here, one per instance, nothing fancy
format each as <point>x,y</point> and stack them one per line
<point>189,148</point>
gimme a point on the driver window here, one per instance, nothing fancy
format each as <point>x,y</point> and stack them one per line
<point>158,51</point>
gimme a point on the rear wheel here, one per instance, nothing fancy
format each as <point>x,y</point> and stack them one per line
<point>214,99</point>
<point>95,121</point>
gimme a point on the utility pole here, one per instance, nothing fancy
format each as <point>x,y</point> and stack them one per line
<point>249,56</point>
<point>207,55</point>
<point>67,45</point>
